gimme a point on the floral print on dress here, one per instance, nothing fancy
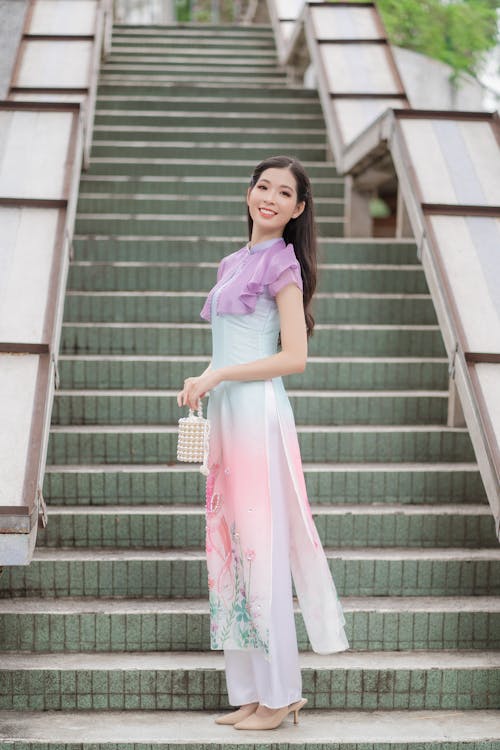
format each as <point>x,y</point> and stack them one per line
<point>234,611</point>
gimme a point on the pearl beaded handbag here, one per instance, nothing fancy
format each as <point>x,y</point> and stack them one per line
<point>193,439</point>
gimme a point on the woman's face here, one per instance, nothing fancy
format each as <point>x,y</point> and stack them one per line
<point>272,201</point>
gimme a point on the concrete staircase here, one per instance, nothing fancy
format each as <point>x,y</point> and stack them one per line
<point>112,614</point>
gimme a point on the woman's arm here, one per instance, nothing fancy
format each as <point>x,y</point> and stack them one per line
<point>207,369</point>
<point>291,358</point>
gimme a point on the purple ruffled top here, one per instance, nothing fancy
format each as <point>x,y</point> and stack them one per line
<point>245,274</point>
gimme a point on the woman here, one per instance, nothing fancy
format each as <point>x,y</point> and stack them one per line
<point>259,523</point>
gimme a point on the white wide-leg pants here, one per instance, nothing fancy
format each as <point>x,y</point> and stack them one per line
<point>250,676</point>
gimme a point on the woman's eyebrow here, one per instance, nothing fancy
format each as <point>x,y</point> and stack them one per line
<point>288,187</point>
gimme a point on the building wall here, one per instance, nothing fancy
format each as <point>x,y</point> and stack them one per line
<point>428,84</point>
<point>12,14</point>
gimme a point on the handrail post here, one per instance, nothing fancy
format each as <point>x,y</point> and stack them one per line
<point>168,11</point>
<point>215,11</point>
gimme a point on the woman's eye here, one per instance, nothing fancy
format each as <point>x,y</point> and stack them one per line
<point>262,187</point>
<point>287,195</point>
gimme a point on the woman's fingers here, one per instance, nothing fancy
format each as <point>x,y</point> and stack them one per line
<point>181,398</point>
<point>190,395</point>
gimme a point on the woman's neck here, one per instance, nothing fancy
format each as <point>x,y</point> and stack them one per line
<point>256,240</point>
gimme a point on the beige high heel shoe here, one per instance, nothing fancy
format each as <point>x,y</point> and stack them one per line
<point>274,720</point>
<point>235,716</point>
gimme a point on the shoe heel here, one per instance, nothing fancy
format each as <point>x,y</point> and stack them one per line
<point>297,708</point>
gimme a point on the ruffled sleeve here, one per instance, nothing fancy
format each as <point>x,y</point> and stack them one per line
<point>274,268</point>
<point>242,277</point>
<point>290,275</point>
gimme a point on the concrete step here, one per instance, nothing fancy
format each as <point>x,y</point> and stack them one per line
<point>177,68</point>
<point>204,205</point>
<point>182,573</point>
<point>144,444</point>
<point>326,483</point>
<point>189,83</point>
<point>185,307</point>
<point>206,92</point>
<point>172,60</point>
<point>194,338</point>
<point>325,407</point>
<point>154,132</point>
<point>368,278</point>
<point>191,249</point>
<point>215,75</point>
<point>199,119</point>
<point>183,526</point>
<point>201,33</point>
<point>187,166</point>
<point>195,681</point>
<point>175,224</point>
<point>208,31</point>
<point>185,36</point>
<point>159,135</point>
<point>425,730</point>
<point>235,188</point>
<point>289,104</point>
<point>195,45</point>
<point>201,48</point>
<point>373,623</point>
<point>227,149</point>
<point>94,371</point>
<point>157,50</point>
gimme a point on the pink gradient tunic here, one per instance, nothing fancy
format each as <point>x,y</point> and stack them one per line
<point>245,327</point>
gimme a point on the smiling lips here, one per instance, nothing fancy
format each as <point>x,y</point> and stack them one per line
<point>267,212</point>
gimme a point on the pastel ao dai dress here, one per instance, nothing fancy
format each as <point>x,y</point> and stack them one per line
<point>259,524</point>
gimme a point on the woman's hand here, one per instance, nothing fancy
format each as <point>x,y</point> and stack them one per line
<point>196,388</point>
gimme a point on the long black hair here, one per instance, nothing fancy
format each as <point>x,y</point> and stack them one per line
<point>300,232</point>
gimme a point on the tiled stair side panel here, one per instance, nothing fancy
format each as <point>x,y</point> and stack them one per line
<point>139,164</point>
<point>372,572</point>
<point>86,625</point>
<point>110,338</point>
<point>184,149</point>
<point>155,372</point>
<point>183,276</point>
<point>167,682</point>
<point>305,126</point>
<point>122,528</point>
<point>113,445</point>
<point>190,249</point>
<point>147,484</point>
<point>313,745</point>
<point>185,307</point>
<point>147,225</point>
<point>205,93</point>
<point>211,102</point>
<point>151,406</point>
<point>178,224</point>
<point>207,691</point>
<point>161,133</point>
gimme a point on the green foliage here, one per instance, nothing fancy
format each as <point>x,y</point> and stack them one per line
<point>200,11</point>
<point>458,32</point>
<point>183,10</point>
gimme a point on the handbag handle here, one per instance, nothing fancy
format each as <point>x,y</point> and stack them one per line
<point>206,439</point>
<point>199,412</point>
